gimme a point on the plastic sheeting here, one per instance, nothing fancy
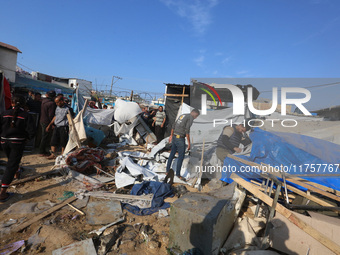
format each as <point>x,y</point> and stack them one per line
<point>125,111</point>
<point>80,129</point>
<point>204,128</point>
<point>98,116</point>
<point>296,153</point>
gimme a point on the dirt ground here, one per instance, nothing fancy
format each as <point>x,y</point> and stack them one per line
<point>67,226</point>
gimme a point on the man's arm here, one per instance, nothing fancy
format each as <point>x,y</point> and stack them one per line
<point>50,125</point>
<point>188,138</point>
<point>171,135</point>
<point>163,121</point>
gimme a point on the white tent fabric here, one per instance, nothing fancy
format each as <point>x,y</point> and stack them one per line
<point>99,116</point>
<point>125,128</point>
<point>80,129</point>
<point>204,128</point>
<point>125,111</point>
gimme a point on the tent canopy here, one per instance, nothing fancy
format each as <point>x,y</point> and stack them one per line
<point>24,82</point>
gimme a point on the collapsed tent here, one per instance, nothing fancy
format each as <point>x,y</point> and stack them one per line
<point>209,127</point>
<point>295,154</point>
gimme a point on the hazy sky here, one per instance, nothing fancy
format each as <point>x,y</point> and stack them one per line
<point>151,42</point>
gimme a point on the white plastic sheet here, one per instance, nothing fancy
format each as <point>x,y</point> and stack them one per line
<point>125,111</point>
<point>99,116</point>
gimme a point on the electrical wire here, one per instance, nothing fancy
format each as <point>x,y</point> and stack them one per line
<point>312,86</point>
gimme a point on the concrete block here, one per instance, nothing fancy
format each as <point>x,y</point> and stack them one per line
<point>202,221</point>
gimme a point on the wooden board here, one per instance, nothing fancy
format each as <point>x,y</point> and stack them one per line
<point>290,178</point>
<point>30,178</point>
<point>288,214</point>
<point>44,214</point>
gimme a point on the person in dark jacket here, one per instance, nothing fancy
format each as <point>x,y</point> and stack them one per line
<point>35,104</point>
<point>180,130</point>
<point>230,140</point>
<point>16,127</point>
<point>48,107</point>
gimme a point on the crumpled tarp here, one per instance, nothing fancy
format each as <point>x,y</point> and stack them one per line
<point>276,149</point>
<point>128,171</point>
<point>159,189</point>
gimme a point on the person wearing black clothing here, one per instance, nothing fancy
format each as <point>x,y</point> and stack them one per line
<point>48,107</point>
<point>16,127</point>
<point>230,139</point>
<point>35,104</point>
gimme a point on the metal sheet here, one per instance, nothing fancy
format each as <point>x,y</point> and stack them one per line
<point>85,247</point>
<point>102,212</point>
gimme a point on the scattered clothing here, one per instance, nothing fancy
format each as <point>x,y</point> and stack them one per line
<point>160,191</point>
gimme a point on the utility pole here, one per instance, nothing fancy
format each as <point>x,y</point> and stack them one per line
<point>113,82</point>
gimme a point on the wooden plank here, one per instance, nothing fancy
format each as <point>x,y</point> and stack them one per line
<point>310,197</point>
<point>111,195</point>
<point>314,189</point>
<point>44,214</point>
<point>183,94</point>
<point>288,214</point>
<point>319,186</point>
<point>30,178</point>
<point>176,95</point>
<point>289,178</point>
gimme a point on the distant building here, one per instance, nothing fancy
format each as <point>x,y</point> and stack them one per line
<point>8,60</point>
<point>84,86</point>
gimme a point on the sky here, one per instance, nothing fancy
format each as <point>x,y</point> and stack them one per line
<point>152,42</point>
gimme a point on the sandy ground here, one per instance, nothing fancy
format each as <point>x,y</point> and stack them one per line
<point>60,229</point>
<point>67,226</point>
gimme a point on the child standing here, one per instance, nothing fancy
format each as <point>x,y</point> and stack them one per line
<point>16,127</point>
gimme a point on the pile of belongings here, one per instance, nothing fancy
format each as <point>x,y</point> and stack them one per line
<point>84,159</point>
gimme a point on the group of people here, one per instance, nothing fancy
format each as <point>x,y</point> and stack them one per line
<point>54,124</point>
<point>156,121</point>
<point>17,126</point>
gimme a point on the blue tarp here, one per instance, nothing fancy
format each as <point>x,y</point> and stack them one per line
<point>159,190</point>
<point>294,153</point>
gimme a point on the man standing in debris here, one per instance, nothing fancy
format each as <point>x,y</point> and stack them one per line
<point>48,107</point>
<point>60,131</point>
<point>180,130</point>
<point>230,140</point>
<point>159,123</point>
